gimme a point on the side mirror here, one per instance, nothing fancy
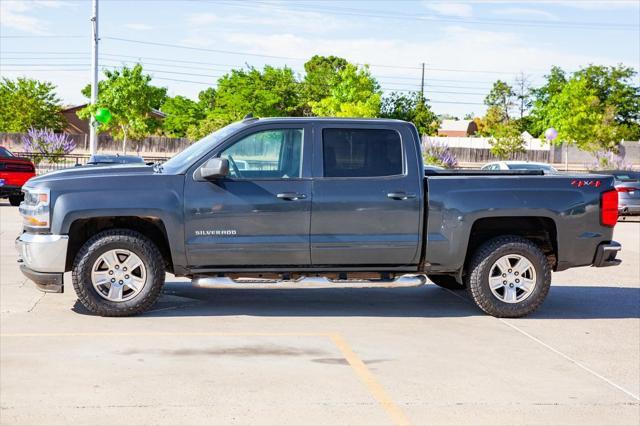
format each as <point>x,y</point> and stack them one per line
<point>214,169</point>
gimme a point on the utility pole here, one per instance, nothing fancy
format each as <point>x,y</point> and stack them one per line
<point>93,142</point>
<point>422,85</point>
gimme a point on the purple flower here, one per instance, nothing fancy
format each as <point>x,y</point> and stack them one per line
<point>44,143</point>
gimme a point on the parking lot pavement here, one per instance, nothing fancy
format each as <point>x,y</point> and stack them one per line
<point>291,354</point>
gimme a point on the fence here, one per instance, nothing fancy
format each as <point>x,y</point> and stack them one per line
<point>107,144</point>
<point>70,160</point>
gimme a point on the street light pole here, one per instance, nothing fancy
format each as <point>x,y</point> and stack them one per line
<point>94,77</point>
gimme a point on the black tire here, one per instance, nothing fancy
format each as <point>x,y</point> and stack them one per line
<point>15,200</point>
<point>480,268</point>
<point>123,239</point>
<point>446,281</point>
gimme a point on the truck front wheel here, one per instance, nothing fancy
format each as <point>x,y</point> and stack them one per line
<point>509,277</point>
<point>118,273</point>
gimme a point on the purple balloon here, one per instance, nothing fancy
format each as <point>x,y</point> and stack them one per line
<point>551,133</point>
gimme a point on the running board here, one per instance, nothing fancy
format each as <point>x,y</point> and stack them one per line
<point>216,282</point>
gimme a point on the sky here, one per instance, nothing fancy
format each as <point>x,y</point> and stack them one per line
<point>187,44</point>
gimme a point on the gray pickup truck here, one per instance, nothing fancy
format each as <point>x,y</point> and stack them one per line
<point>286,198</point>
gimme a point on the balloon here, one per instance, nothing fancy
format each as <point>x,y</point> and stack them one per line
<point>103,115</point>
<point>551,133</point>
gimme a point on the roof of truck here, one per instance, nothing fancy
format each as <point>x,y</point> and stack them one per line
<point>330,119</point>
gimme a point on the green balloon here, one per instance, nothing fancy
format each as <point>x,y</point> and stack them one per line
<point>103,115</point>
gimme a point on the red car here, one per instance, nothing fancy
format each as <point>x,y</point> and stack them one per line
<point>14,172</point>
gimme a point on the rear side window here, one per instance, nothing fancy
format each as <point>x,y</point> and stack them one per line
<point>361,152</point>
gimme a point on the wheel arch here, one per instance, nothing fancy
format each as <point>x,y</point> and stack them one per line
<point>539,229</point>
<point>80,230</point>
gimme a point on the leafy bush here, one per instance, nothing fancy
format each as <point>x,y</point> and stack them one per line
<point>439,154</point>
<point>608,160</point>
<point>45,144</point>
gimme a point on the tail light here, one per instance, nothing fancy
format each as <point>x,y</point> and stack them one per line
<point>609,208</point>
<point>626,189</point>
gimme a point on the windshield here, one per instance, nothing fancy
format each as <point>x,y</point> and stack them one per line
<point>181,161</point>
<point>529,166</point>
<point>5,152</point>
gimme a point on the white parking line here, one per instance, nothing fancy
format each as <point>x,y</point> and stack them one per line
<point>562,354</point>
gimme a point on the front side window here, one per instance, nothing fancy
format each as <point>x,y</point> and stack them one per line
<point>361,152</point>
<point>269,154</point>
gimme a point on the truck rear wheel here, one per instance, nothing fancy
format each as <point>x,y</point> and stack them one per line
<point>118,273</point>
<point>509,277</point>
<point>446,281</point>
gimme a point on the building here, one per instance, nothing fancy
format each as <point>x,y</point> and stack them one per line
<point>460,128</point>
<point>78,126</point>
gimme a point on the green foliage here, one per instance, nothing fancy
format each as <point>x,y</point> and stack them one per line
<point>581,118</point>
<point>410,108</point>
<point>502,99</point>
<point>506,141</point>
<point>26,103</point>
<point>130,97</point>
<point>542,96</point>
<point>355,94</point>
<point>273,92</point>
<point>182,113</point>
<point>321,73</point>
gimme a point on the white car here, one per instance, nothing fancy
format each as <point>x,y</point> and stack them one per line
<point>519,165</point>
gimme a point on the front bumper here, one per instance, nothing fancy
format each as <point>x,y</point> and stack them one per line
<point>43,259</point>
<point>606,254</point>
<point>8,190</point>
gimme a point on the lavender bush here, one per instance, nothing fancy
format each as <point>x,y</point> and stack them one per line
<point>45,144</point>
<point>607,160</point>
<point>437,153</point>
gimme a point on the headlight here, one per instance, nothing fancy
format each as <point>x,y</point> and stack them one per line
<point>35,208</point>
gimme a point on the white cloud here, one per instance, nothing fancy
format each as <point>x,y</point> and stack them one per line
<point>201,19</point>
<point>526,12</point>
<point>17,15</point>
<point>460,10</point>
<point>139,27</point>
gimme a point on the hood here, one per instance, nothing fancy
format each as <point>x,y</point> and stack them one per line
<point>85,172</point>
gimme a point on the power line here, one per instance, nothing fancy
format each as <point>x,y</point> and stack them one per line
<point>391,15</point>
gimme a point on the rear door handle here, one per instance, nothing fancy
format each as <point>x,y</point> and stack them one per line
<point>401,195</point>
<point>291,196</point>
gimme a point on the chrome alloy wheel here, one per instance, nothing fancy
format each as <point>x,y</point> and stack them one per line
<point>512,278</point>
<point>118,275</point>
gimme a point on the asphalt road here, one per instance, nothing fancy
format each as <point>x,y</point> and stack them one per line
<point>292,354</point>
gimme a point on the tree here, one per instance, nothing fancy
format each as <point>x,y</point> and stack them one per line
<point>492,119</point>
<point>576,113</point>
<point>130,97</point>
<point>501,97</point>
<point>506,141</point>
<point>321,73</point>
<point>182,113</point>
<point>410,108</point>
<point>522,93</point>
<point>355,94</point>
<point>26,103</point>
<point>555,82</point>
<point>595,108</point>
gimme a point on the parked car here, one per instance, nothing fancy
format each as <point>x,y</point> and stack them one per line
<point>377,214</point>
<point>627,183</point>
<point>519,165</point>
<point>14,172</point>
<point>104,159</point>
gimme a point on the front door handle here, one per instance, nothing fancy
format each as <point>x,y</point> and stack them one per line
<point>291,196</point>
<point>401,195</point>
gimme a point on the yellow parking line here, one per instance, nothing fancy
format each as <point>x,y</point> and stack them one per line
<point>397,415</point>
<point>374,387</point>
